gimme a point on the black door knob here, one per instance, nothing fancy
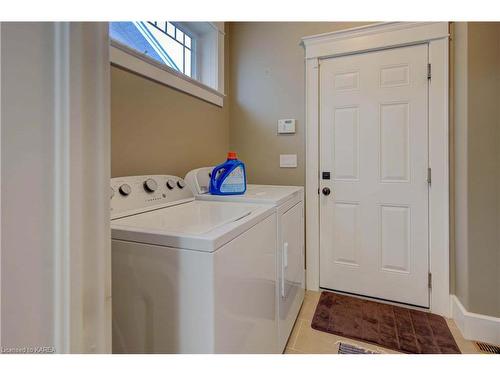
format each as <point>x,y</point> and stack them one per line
<point>326,191</point>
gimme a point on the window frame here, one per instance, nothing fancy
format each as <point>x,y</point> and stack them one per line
<point>129,59</point>
<point>191,48</point>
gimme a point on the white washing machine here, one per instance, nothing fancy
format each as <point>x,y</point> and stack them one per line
<point>190,276</point>
<point>288,203</point>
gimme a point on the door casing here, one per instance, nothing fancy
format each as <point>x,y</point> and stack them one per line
<point>375,37</point>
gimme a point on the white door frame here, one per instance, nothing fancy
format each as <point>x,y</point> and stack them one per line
<point>82,237</point>
<point>371,38</point>
<point>72,104</point>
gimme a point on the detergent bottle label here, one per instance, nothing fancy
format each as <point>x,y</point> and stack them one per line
<point>234,182</point>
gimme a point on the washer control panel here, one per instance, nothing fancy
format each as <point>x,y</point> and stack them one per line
<point>134,194</point>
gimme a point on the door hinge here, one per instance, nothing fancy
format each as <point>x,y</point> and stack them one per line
<point>429,280</point>
<point>429,71</point>
<point>429,175</point>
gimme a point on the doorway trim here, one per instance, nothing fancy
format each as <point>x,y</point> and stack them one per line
<point>82,164</point>
<point>375,37</point>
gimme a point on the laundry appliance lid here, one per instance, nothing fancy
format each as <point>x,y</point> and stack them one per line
<point>195,225</point>
<point>198,181</point>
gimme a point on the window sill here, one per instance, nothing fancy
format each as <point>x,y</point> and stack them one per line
<point>133,61</point>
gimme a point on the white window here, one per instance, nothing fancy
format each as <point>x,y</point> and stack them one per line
<point>188,56</point>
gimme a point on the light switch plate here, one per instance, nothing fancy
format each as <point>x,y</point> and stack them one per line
<point>288,161</point>
<point>286,126</point>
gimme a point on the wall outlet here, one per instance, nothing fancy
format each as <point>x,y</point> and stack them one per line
<point>286,126</point>
<point>288,161</point>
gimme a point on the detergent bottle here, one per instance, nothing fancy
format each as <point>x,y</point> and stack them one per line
<point>229,178</point>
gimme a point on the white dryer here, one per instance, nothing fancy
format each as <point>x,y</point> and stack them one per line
<point>190,276</point>
<point>288,203</point>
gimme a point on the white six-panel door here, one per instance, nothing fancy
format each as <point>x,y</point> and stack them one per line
<point>374,143</point>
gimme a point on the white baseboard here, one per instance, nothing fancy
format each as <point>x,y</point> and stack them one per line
<point>475,326</point>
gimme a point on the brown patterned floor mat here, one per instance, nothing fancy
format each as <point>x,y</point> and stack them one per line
<point>393,327</point>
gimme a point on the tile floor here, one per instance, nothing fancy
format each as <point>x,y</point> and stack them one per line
<point>305,340</point>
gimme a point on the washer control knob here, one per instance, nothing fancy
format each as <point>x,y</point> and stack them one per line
<point>181,184</point>
<point>125,189</point>
<point>170,184</point>
<point>150,185</point>
<point>111,193</point>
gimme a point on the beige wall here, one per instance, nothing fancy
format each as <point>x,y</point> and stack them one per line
<point>498,186</point>
<point>477,166</point>
<point>158,130</point>
<point>460,240</point>
<point>483,171</point>
<point>267,83</point>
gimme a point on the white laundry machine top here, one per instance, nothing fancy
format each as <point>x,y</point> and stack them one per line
<point>199,179</point>
<point>160,210</point>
